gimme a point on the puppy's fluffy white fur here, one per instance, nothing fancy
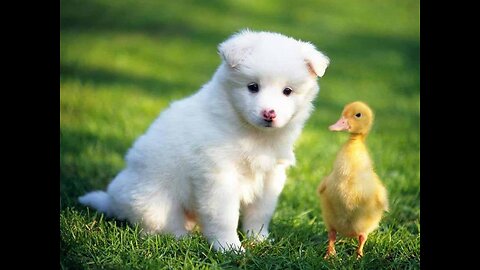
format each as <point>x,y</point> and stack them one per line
<point>214,155</point>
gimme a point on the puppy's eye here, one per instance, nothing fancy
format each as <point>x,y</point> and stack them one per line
<point>253,87</point>
<point>287,91</point>
<point>358,115</point>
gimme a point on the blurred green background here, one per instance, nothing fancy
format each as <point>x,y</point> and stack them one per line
<point>123,62</point>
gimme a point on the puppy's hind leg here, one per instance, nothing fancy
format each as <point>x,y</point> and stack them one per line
<point>165,217</point>
<point>176,220</point>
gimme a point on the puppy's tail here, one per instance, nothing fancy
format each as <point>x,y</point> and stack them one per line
<point>99,200</point>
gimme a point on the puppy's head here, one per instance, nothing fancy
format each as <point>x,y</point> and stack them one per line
<point>271,79</point>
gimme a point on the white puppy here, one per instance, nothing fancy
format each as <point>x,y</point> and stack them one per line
<point>223,150</point>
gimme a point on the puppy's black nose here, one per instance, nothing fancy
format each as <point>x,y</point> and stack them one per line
<point>269,115</point>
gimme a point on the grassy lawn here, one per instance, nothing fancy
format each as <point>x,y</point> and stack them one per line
<point>123,62</point>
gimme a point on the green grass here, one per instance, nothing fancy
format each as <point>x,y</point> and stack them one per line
<point>123,62</point>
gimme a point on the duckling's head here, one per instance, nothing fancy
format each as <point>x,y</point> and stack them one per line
<point>357,118</point>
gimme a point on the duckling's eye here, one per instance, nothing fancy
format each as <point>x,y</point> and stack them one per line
<point>253,87</point>
<point>358,115</point>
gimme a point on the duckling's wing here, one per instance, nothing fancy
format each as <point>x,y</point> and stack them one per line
<point>381,198</point>
<point>323,185</point>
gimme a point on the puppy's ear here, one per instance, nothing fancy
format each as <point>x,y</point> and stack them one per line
<point>236,48</point>
<point>316,61</point>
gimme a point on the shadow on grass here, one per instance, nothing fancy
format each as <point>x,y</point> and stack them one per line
<point>161,19</point>
<point>168,20</point>
<point>150,86</point>
<point>82,174</point>
<point>377,52</point>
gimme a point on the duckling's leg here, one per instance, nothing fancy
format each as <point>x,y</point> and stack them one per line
<point>362,238</point>
<point>332,236</point>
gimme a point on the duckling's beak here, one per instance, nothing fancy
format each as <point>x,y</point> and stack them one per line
<point>340,125</point>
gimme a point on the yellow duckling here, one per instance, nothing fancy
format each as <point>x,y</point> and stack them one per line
<point>352,197</point>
